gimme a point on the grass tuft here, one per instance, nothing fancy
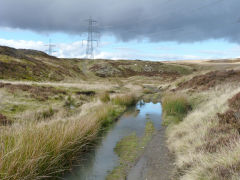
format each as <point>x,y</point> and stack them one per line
<point>45,149</point>
<point>206,144</point>
<point>48,113</point>
<point>126,100</point>
<point>105,97</point>
<point>70,102</point>
<point>175,108</point>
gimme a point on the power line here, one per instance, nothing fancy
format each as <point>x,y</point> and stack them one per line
<point>90,40</point>
<point>50,46</point>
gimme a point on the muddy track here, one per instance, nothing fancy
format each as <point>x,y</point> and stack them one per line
<point>156,163</point>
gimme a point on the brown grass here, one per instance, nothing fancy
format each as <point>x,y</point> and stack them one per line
<point>37,92</point>
<point>4,121</point>
<point>210,80</point>
<point>105,97</point>
<point>206,143</point>
<point>45,149</point>
<point>234,102</point>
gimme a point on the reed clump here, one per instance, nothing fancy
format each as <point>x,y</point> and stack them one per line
<point>41,150</point>
<point>126,100</point>
<point>105,97</point>
<point>175,108</point>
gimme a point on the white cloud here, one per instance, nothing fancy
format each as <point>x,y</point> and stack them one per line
<point>232,52</point>
<point>22,44</point>
<point>62,50</point>
<point>143,56</point>
<point>70,50</point>
<point>77,49</point>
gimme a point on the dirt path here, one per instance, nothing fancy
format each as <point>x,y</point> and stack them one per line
<point>156,163</point>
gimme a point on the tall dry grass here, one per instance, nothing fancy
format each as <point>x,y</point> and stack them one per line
<point>203,148</point>
<point>125,100</point>
<point>105,97</point>
<point>47,149</point>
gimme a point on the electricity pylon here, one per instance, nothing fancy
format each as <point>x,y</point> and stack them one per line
<point>50,47</point>
<point>90,40</point>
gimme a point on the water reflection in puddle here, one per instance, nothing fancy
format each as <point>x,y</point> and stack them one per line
<point>103,159</point>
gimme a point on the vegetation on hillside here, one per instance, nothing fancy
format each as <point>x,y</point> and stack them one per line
<point>44,144</point>
<point>205,142</point>
<point>45,126</point>
<point>33,65</point>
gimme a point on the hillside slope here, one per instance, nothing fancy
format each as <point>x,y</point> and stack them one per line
<point>20,64</point>
<point>34,65</point>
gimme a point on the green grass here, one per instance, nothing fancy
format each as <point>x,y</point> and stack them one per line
<point>12,109</point>
<point>128,150</point>
<point>180,69</point>
<point>175,108</point>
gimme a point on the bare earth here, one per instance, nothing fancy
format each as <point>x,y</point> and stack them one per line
<point>156,162</point>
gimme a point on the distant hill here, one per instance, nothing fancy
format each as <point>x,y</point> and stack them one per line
<point>22,64</point>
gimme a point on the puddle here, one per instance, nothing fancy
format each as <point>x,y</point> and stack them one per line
<point>103,159</point>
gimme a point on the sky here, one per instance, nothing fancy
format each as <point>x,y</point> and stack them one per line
<point>137,29</point>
